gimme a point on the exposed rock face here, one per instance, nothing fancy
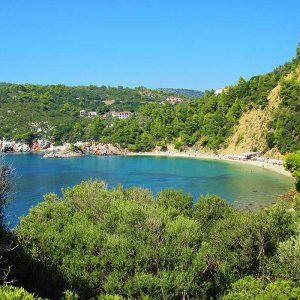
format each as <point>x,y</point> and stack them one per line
<point>12,146</point>
<point>39,145</point>
<point>85,146</point>
<point>21,147</point>
<point>63,154</point>
<point>44,145</point>
<point>106,149</point>
<point>7,146</point>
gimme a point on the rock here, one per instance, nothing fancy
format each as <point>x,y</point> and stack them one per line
<point>7,146</point>
<point>21,147</point>
<point>39,145</point>
<point>63,154</point>
<point>85,146</point>
<point>44,143</point>
<point>12,146</point>
<point>52,148</point>
<point>106,149</point>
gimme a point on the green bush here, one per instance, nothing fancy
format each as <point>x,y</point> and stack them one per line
<point>8,292</point>
<point>292,164</point>
<point>249,288</point>
<point>124,242</point>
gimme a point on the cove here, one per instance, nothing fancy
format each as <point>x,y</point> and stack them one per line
<point>243,186</point>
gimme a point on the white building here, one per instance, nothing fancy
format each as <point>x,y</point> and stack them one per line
<point>219,91</point>
<point>173,99</point>
<point>92,114</point>
<point>121,115</point>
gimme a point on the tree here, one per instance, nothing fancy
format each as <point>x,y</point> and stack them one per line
<point>292,164</point>
<point>5,186</point>
<point>209,209</point>
<point>8,292</point>
<point>178,201</point>
<point>249,288</point>
<point>288,255</point>
<point>6,244</point>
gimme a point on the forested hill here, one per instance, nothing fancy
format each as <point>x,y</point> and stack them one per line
<point>271,101</point>
<point>53,111</point>
<point>183,92</point>
<point>260,114</point>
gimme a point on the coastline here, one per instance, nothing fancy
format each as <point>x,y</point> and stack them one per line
<point>209,156</point>
<point>169,153</point>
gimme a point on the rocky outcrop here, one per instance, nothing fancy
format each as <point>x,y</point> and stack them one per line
<point>40,144</point>
<point>85,146</point>
<point>106,149</point>
<point>13,146</point>
<point>18,146</point>
<point>21,147</point>
<point>63,151</point>
<point>63,154</point>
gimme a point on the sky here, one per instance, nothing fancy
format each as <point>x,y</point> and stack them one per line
<point>180,44</point>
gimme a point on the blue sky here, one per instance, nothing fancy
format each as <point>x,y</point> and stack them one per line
<point>180,44</point>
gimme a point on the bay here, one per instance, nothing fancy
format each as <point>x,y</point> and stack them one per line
<point>243,186</point>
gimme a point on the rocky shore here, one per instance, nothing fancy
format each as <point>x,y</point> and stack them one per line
<point>63,154</point>
<point>80,149</point>
<point>62,151</point>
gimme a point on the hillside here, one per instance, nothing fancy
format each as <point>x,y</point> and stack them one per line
<point>250,134</point>
<point>261,114</point>
<point>183,92</point>
<point>53,111</point>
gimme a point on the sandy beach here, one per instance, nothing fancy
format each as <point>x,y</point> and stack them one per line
<point>211,156</point>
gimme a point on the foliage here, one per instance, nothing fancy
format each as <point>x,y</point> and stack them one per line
<point>289,255</point>
<point>75,148</point>
<point>286,123</point>
<point>292,164</point>
<point>249,288</point>
<point>8,292</point>
<point>123,243</point>
<point>183,92</point>
<point>33,111</point>
<point>5,186</point>
<point>6,242</point>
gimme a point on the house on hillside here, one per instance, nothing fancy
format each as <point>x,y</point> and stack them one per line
<point>121,115</point>
<point>92,114</point>
<point>83,113</point>
<point>220,91</point>
<point>173,100</point>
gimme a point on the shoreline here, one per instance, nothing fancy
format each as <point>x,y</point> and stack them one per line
<point>275,168</point>
<point>198,155</point>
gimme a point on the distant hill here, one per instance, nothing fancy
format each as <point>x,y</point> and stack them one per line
<point>183,92</point>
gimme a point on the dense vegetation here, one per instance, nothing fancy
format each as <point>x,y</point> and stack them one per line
<point>53,112</point>
<point>6,244</point>
<point>286,122</point>
<point>292,164</point>
<point>28,111</point>
<point>123,244</point>
<point>94,243</point>
<point>183,92</point>
<point>210,120</point>
<point>8,292</point>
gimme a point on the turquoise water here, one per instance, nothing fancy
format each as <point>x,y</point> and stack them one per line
<point>241,185</point>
